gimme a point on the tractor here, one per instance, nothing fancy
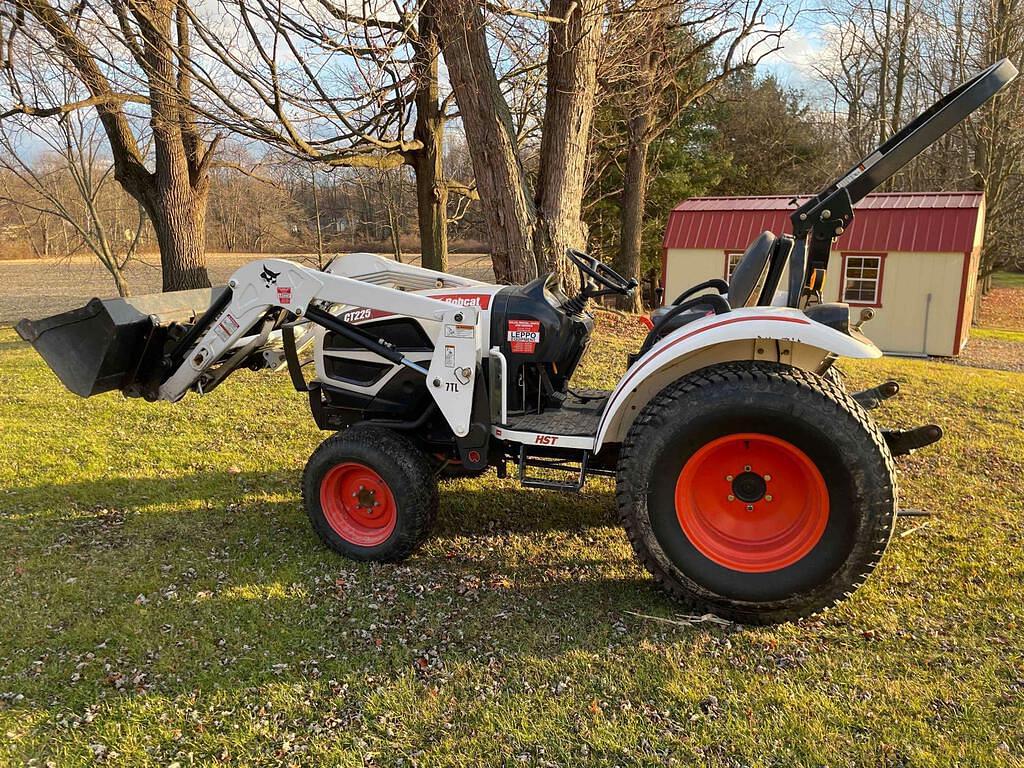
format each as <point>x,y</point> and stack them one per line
<point>750,482</point>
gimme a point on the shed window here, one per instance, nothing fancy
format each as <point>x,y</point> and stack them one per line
<point>732,258</point>
<point>862,280</point>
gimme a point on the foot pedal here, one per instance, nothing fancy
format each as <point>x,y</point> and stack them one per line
<point>870,399</point>
<point>902,442</point>
<point>541,462</point>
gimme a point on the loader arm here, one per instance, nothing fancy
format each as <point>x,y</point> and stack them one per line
<point>261,289</point>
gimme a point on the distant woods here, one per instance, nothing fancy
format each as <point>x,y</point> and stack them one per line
<point>418,126</point>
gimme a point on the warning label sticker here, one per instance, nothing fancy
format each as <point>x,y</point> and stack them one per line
<point>458,331</point>
<point>226,327</point>
<point>449,355</point>
<point>284,294</point>
<point>523,335</point>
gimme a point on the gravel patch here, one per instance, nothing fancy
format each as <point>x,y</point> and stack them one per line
<point>992,353</point>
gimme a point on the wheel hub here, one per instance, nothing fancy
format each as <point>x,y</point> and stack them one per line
<point>749,487</point>
<point>367,499</point>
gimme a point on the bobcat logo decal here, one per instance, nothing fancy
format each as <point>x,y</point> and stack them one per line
<point>269,277</point>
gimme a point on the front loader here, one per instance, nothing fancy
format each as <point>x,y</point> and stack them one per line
<point>751,484</point>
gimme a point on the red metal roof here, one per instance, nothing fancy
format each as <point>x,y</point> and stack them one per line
<point>884,221</point>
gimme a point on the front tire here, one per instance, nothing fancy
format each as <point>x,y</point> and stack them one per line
<point>757,492</point>
<point>370,494</point>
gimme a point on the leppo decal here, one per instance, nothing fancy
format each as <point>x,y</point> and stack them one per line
<point>523,335</point>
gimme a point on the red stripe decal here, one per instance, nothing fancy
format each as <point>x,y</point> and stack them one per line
<point>476,300</point>
<point>624,386</point>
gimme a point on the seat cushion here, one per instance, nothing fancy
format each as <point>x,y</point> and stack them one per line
<point>679,320</point>
<point>750,271</point>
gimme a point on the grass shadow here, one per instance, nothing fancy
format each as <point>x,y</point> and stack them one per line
<point>13,344</point>
<point>468,507</point>
<point>204,601</point>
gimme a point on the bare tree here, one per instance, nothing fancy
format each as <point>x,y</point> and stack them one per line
<point>999,142</point>
<point>529,224</point>
<point>660,58</point>
<point>888,60</point>
<point>127,58</point>
<point>352,85</point>
<point>70,184</point>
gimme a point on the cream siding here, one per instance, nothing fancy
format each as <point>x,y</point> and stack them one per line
<point>919,303</point>
<point>920,297</point>
<point>686,267</point>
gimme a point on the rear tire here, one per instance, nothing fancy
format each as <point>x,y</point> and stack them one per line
<point>757,492</point>
<point>370,494</point>
<point>835,376</point>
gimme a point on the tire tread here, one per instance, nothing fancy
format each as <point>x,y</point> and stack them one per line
<point>654,416</point>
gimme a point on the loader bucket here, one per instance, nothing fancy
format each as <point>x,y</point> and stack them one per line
<point>113,343</point>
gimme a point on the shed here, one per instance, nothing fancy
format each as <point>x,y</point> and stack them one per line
<point>912,257</point>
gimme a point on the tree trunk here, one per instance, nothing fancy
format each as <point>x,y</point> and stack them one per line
<point>506,203</point>
<point>319,228</point>
<point>573,49</point>
<point>901,68</point>
<point>428,162</point>
<point>396,235</point>
<point>634,198</point>
<point>119,281</point>
<point>175,194</point>
<point>178,215</point>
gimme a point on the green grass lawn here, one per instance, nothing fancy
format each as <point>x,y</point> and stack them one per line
<point>1008,280</point>
<point>997,334</point>
<point>164,601</point>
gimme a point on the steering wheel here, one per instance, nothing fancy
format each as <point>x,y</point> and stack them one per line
<point>602,274</point>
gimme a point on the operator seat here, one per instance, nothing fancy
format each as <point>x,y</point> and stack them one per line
<point>750,271</point>
<point>754,282</point>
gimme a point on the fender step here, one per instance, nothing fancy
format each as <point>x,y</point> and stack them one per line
<point>869,399</point>
<point>902,442</point>
<point>578,473</point>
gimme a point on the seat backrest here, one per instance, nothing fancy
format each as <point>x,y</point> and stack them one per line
<point>750,271</point>
<point>777,263</point>
<point>797,268</point>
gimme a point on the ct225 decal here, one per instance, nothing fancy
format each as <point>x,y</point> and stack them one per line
<point>523,335</point>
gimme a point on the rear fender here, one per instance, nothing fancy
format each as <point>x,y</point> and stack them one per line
<point>774,334</point>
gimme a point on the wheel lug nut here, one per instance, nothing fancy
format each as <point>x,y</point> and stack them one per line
<point>728,478</point>
<point>731,497</point>
<point>750,507</point>
<point>767,478</point>
<point>746,468</point>
<point>768,497</point>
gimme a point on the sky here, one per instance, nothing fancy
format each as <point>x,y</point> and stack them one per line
<point>793,66</point>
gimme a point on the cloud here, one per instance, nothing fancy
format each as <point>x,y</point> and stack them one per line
<point>805,47</point>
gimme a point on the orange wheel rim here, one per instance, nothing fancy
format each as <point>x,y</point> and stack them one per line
<point>358,504</point>
<point>752,502</point>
